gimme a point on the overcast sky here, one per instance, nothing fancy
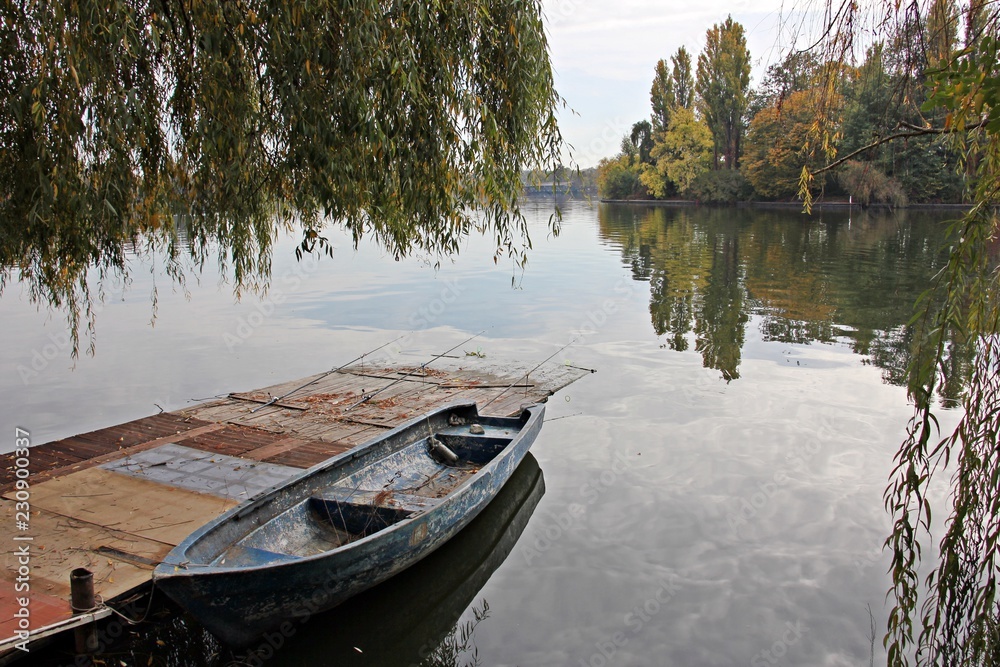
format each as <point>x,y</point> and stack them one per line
<point>604,54</point>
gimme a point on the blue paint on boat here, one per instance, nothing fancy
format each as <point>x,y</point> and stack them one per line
<point>344,525</point>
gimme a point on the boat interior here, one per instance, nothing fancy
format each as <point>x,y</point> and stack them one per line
<point>391,487</point>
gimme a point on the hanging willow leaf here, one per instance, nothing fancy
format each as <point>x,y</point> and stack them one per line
<point>124,121</point>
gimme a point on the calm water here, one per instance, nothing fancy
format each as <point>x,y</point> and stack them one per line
<point>712,496</point>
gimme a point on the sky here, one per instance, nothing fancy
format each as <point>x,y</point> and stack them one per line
<point>604,54</point>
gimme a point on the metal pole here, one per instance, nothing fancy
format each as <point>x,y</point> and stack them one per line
<point>81,587</point>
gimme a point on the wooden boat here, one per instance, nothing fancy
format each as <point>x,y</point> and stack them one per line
<point>346,524</point>
<point>398,622</point>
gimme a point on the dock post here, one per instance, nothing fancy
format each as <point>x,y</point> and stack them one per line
<point>81,586</point>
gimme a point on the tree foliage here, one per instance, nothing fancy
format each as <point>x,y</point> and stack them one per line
<point>780,144</point>
<point>867,184</point>
<point>661,96</point>
<point>722,85</point>
<point>619,178</point>
<point>799,71</point>
<point>641,137</point>
<point>683,153</point>
<point>410,122</point>
<point>942,32</point>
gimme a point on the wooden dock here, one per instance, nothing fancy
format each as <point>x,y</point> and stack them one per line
<point>116,500</point>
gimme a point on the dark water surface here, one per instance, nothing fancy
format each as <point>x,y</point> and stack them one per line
<point>712,496</point>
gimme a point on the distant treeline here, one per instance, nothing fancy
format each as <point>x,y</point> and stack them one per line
<point>564,181</point>
<point>713,138</point>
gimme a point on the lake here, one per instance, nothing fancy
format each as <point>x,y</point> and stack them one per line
<point>711,496</point>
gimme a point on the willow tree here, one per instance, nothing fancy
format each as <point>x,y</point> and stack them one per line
<point>952,615</point>
<point>123,120</point>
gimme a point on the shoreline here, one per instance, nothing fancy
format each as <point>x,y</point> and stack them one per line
<point>786,205</point>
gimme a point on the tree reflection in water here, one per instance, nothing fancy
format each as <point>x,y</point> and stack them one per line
<point>713,272</point>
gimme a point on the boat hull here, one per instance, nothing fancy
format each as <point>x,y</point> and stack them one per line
<point>239,604</point>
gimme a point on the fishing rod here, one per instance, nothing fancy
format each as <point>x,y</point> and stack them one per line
<point>368,397</point>
<point>511,385</point>
<point>275,399</point>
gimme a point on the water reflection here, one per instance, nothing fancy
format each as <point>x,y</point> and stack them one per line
<point>714,271</point>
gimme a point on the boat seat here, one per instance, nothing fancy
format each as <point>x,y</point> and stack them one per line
<point>476,449</point>
<point>240,555</point>
<point>364,512</point>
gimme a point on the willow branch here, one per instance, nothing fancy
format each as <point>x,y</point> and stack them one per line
<point>911,131</point>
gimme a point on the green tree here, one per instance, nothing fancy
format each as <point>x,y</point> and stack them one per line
<point>661,96</point>
<point>683,78</point>
<point>671,89</point>
<point>408,121</point>
<point>618,178</point>
<point>977,21</point>
<point>722,86</point>
<point>799,71</point>
<point>641,137</point>
<point>880,102</point>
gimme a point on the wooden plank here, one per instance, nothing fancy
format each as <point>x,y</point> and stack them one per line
<point>310,453</point>
<point>329,430</point>
<point>84,449</point>
<point>262,399</point>
<point>128,504</point>
<point>61,544</point>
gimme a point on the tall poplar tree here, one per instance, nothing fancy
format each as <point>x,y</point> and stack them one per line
<point>683,78</point>
<point>671,88</point>
<point>722,86</point>
<point>662,97</point>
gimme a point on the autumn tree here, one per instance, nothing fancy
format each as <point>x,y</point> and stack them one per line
<point>661,96</point>
<point>406,121</point>
<point>797,72</point>
<point>722,87</point>
<point>780,143</point>
<point>683,153</point>
<point>683,78</point>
